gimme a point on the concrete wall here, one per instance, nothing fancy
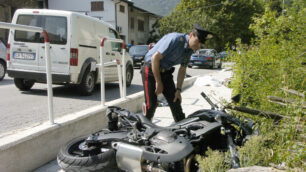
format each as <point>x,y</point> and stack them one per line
<point>7,9</point>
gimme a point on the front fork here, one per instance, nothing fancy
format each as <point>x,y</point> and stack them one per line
<point>232,148</point>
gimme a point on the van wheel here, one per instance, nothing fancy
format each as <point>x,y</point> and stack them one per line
<point>87,84</point>
<point>2,70</point>
<point>22,84</point>
<point>129,75</point>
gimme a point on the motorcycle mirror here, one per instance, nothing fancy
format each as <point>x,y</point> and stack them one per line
<point>236,98</point>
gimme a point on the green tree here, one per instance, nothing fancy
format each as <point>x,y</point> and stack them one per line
<point>154,35</point>
<point>227,19</point>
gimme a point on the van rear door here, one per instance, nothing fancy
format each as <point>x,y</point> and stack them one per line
<point>56,27</point>
<point>24,48</point>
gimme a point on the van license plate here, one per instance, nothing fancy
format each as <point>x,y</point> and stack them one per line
<point>24,56</point>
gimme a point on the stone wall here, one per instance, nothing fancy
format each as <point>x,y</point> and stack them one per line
<point>7,9</point>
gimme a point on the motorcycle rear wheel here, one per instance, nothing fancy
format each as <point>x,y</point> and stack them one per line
<point>70,159</point>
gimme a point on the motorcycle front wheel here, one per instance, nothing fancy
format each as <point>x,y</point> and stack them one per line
<point>72,158</point>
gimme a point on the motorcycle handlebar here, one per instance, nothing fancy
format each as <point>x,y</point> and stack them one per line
<point>213,106</point>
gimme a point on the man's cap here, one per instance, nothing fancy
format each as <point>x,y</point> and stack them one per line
<point>202,34</point>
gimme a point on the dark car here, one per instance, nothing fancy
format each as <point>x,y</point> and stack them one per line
<point>206,58</point>
<point>224,54</point>
<point>138,52</point>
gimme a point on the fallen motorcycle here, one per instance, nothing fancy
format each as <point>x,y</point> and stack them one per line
<point>132,143</point>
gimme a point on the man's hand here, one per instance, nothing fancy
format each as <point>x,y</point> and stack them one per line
<point>159,88</point>
<point>177,96</point>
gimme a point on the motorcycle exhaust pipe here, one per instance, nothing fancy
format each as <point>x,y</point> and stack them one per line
<point>188,163</point>
<point>128,156</point>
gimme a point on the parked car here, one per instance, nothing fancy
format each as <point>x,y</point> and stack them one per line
<point>206,58</point>
<point>224,54</point>
<point>74,50</point>
<point>138,52</point>
<point>2,60</point>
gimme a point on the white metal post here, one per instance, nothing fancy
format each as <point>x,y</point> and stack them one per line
<point>124,70</point>
<point>47,54</point>
<point>119,77</point>
<point>49,76</point>
<point>102,83</point>
<point>102,64</point>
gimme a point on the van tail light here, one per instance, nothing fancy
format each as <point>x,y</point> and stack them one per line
<point>8,55</point>
<point>74,56</point>
<point>209,58</point>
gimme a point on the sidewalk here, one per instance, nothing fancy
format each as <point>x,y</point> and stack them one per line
<point>192,101</point>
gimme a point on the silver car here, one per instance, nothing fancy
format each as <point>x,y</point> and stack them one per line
<point>2,60</point>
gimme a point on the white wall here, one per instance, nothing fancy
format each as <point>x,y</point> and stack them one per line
<point>123,20</point>
<point>84,6</point>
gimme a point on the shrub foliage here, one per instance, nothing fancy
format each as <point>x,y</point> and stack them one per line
<point>273,61</point>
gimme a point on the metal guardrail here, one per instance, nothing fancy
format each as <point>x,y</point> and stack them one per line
<point>47,55</point>
<point>121,76</point>
<point>121,73</point>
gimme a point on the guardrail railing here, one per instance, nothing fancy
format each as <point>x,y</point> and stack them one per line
<point>47,55</point>
<point>121,73</point>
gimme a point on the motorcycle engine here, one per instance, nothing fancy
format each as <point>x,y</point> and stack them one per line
<point>164,137</point>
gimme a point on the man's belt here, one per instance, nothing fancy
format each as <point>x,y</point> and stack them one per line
<point>161,70</point>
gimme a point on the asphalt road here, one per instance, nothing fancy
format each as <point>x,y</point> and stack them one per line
<point>23,109</point>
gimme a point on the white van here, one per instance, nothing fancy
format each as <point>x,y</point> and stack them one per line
<point>74,50</point>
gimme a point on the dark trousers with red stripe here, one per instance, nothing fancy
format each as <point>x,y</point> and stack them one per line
<point>169,93</point>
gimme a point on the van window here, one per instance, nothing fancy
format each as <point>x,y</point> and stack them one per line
<point>55,26</point>
<point>115,45</point>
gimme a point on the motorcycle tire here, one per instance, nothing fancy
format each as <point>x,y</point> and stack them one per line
<point>70,161</point>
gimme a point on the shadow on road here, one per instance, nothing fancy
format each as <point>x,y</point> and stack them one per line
<point>6,81</point>
<point>111,90</point>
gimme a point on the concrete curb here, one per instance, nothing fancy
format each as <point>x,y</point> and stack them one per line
<point>32,148</point>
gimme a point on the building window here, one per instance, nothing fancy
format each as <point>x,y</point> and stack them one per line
<point>132,22</point>
<point>97,6</point>
<point>122,8</point>
<point>140,25</point>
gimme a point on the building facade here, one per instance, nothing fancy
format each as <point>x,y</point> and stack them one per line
<point>132,23</point>
<point>8,7</point>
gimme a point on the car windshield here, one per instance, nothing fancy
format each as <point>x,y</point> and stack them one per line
<point>54,25</point>
<point>139,49</point>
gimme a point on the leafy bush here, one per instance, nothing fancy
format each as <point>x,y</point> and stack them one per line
<point>214,161</point>
<point>275,59</point>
